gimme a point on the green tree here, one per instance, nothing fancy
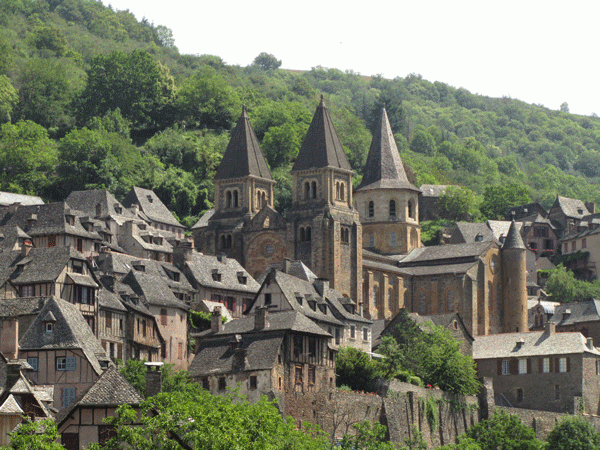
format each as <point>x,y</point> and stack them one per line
<point>49,38</point>
<point>8,98</point>
<point>355,369</point>
<point>497,200</point>
<point>173,380</point>
<point>459,203</point>
<point>367,436</point>
<point>503,431</point>
<point>201,420</point>
<point>137,84</point>
<point>423,142</point>
<point>565,288</point>
<point>266,61</point>
<point>573,433</point>
<point>39,435</point>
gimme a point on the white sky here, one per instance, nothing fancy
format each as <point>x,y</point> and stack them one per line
<point>541,52</point>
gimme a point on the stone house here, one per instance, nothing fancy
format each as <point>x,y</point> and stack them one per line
<point>540,313</point>
<point>567,213</point>
<point>58,271</point>
<point>282,355</point>
<point>63,351</point>
<point>81,423</point>
<point>429,201</point>
<point>541,370</point>
<point>328,308</point>
<point>217,279</point>
<point>530,209</point>
<point>583,245</point>
<point>112,321</point>
<point>145,204</point>
<point>582,317</point>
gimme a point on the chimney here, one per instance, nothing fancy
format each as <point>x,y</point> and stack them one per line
<point>261,318</point>
<point>183,252</point>
<point>222,258</point>
<point>360,309</point>
<point>550,328</point>
<point>287,264</point>
<point>13,207</point>
<point>27,245</point>
<point>322,286</point>
<point>216,322</point>
<point>590,343</point>
<point>591,207</point>
<point>153,378</point>
<point>9,338</point>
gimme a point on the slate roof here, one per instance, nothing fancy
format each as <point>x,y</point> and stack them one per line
<point>201,268</point>
<point>150,205</point>
<point>9,237</point>
<point>10,407</point>
<point>513,238</point>
<point>295,268</point>
<point>577,312</point>
<point>547,306</point>
<point>153,290</point>
<point>111,389</point>
<point>470,231</point>
<point>110,300</point>
<point>203,221</point>
<point>571,207</point>
<point>526,210</point>
<point>216,356</point>
<point>500,228</point>
<point>70,331</point>
<point>534,343</point>
<point>50,219</point>
<point>86,202</point>
<point>243,156</point>
<point>433,190</point>
<point>440,254</point>
<point>321,146</point>
<point>17,307</point>
<point>8,198</point>
<point>384,168</point>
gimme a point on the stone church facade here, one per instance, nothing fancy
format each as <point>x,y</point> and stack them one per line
<point>366,241</point>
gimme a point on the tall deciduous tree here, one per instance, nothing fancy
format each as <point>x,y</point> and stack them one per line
<point>459,203</point>
<point>8,98</point>
<point>497,200</point>
<point>137,84</point>
<point>503,431</point>
<point>267,61</point>
<point>573,433</point>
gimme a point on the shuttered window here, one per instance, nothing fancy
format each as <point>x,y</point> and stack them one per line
<point>68,396</point>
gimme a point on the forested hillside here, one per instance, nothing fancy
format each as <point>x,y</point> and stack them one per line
<point>90,97</point>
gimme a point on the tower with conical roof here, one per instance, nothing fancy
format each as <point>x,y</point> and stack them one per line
<point>514,282</point>
<point>323,229</point>
<point>243,187</point>
<point>386,201</point>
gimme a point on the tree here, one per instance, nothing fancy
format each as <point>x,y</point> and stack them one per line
<point>355,369</point>
<point>497,200</point>
<point>172,380</point>
<point>565,288</point>
<point>200,420</point>
<point>368,436</point>
<point>266,61</point>
<point>40,435</point>
<point>503,431</point>
<point>564,107</point>
<point>573,433</point>
<point>8,98</point>
<point>459,203</point>
<point>141,87</point>
<point>423,142</point>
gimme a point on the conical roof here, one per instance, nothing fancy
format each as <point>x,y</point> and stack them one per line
<point>243,156</point>
<point>321,146</point>
<point>513,238</point>
<point>384,168</point>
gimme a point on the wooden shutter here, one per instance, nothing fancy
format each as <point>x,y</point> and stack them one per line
<point>556,364</point>
<point>499,364</point>
<point>68,396</point>
<point>528,365</point>
<point>551,369</point>
<point>568,364</point>
<point>514,366</point>
<point>540,365</point>
<point>71,363</point>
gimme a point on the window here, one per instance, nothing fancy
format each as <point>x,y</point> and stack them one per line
<point>235,199</point>
<point>450,300</point>
<point>557,392</point>
<point>298,346</point>
<point>312,374</point>
<point>505,367</point>
<point>298,374</point>
<point>540,232</point>
<point>392,209</point>
<point>108,320</point>
<point>52,241</point>
<point>519,395</point>
<point>522,366</point>
<point>253,382</point>
<point>566,248</point>
<point>312,346</point>
<point>393,241</point>
<point>562,365</point>
<point>338,336</point>
<point>66,363</point>
<point>546,365</point>
<point>33,362</point>
<point>422,303</point>
<point>222,383</point>
<point>206,383</point>
<point>598,367</point>
<point>584,243</point>
<point>78,266</point>
<point>375,296</point>
<point>313,189</point>
<point>573,246</point>
<point>411,209</point>
<point>371,209</point>
<point>79,245</point>
<point>228,199</point>
<point>269,249</point>
<point>365,334</point>
<point>306,190</point>
<point>242,279</point>
<point>68,396</point>
<point>345,235</point>
<point>83,294</point>
<point>163,317</point>
<point>371,240</point>
<point>216,276</point>
<point>180,350</point>
<point>267,299</point>
<point>352,331</point>
<point>27,291</point>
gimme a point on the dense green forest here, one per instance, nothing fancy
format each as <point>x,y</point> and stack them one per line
<point>90,97</point>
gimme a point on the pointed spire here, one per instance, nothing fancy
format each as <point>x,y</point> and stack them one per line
<point>513,238</point>
<point>243,156</point>
<point>384,168</point>
<point>321,146</point>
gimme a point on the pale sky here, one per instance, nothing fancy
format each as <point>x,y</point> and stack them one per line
<point>541,52</point>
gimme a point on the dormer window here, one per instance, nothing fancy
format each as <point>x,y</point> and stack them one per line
<point>78,266</point>
<point>242,278</point>
<point>142,226</point>
<point>150,199</point>
<point>118,210</point>
<point>312,304</point>
<point>216,276</point>
<point>49,327</point>
<point>70,219</point>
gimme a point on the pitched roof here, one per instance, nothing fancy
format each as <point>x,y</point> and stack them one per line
<point>150,205</point>
<point>16,307</point>
<point>87,201</point>
<point>10,407</point>
<point>439,254</point>
<point>8,198</point>
<point>70,331</point>
<point>384,168</point>
<point>577,312</point>
<point>110,300</point>
<point>201,268</point>
<point>500,228</point>
<point>571,207</point>
<point>513,238</point>
<point>470,232</point>
<point>321,146</point>
<point>9,237</point>
<point>203,220</point>
<point>243,156</point>
<point>154,290</point>
<point>111,389</point>
<point>533,343</point>
<point>292,267</point>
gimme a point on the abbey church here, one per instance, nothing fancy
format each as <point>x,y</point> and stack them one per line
<point>366,241</point>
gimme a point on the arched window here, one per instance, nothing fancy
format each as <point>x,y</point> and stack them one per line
<point>375,296</point>
<point>307,190</point>
<point>264,200</point>
<point>390,298</point>
<point>228,199</point>
<point>313,189</point>
<point>337,190</point>
<point>229,243</point>
<point>411,209</point>
<point>371,209</point>
<point>308,234</point>
<point>392,209</point>
<point>342,192</point>
<point>235,199</point>
<point>371,240</point>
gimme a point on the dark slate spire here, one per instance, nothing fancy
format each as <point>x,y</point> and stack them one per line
<point>321,146</point>
<point>243,156</point>
<point>513,238</point>
<point>384,168</point>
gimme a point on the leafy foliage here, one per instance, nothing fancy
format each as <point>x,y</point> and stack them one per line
<point>565,288</point>
<point>39,435</point>
<point>355,369</point>
<point>573,433</point>
<point>173,380</point>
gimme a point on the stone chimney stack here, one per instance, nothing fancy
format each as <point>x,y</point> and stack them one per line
<point>322,286</point>
<point>590,343</point>
<point>183,252</point>
<point>153,378</point>
<point>591,207</point>
<point>550,328</point>
<point>216,321</point>
<point>9,338</point>
<point>261,318</point>
<point>12,208</point>
<point>287,263</point>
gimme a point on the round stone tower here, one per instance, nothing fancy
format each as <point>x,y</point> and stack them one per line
<point>514,282</point>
